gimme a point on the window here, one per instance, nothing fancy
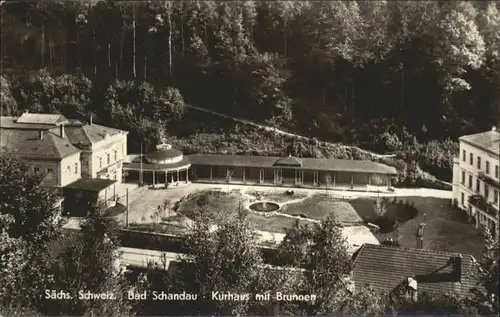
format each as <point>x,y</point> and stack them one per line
<point>100,162</point>
<point>50,171</point>
<point>486,191</point>
<point>479,162</point>
<point>463,199</point>
<point>85,166</point>
<point>36,169</point>
<point>470,181</point>
<point>107,159</point>
<point>116,155</point>
<point>495,198</point>
<point>463,177</point>
<point>497,171</point>
<point>487,167</point>
<point>69,169</point>
<point>471,159</point>
<point>463,155</point>
<point>478,185</point>
<point>76,168</point>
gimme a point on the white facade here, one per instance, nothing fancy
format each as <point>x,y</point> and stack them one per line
<point>476,174</point>
<point>106,157</point>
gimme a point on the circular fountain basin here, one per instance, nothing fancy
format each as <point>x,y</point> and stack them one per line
<point>264,206</point>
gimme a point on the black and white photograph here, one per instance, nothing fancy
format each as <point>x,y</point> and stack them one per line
<point>249,158</point>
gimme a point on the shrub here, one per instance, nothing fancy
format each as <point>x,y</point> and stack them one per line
<point>386,223</point>
<point>391,242</point>
<point>387,142</point>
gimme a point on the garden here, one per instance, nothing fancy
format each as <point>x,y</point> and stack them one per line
<point>390,218</point>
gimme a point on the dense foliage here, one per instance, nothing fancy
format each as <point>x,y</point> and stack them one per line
<point>389,76</point>
<point>29,219</point>
<point>225,259</point>
<point>431,66</point>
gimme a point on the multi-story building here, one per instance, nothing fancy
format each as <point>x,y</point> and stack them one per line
<point>476,178</point>
<point>69,153</point>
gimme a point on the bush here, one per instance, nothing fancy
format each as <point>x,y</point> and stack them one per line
<point>387,142</point>
<point>386,223</point>
<point>391,242</point>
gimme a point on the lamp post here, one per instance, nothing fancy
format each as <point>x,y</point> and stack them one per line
<point>141,176</point>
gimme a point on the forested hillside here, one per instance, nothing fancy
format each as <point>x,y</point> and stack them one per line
<point>385,75</point>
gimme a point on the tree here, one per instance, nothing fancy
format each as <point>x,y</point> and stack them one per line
<point>8,105</point>
<point>11,254</point>
<point>366,302</point>
<point>329,265</point>
<point>322,252</point>
<point>224,259</point>
<point>380,207</point>
<point>268,77</point>
<point>486,293</point>
<point>461,46</point>
<point>29,219</point>
<point>34,208</point>
<point>91,264</point>
<point>294,247</point>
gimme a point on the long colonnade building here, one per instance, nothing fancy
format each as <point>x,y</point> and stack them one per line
<point>169,166</point>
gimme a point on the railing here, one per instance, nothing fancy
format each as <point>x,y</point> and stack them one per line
<point>481,203</point>
<point>488,179</point>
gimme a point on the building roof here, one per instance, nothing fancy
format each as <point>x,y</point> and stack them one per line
<point>11,123</point>
<point>87,134</point>
<point>307,163</point>
<point>488,141</point>
<point>288,161</point>
<point>28,144</point>
<point>135,165</point>
<point>41,118</point>
<point>21,136</point>
<point>91,184</point>
<point>385,267</point>
<point>164,154</point>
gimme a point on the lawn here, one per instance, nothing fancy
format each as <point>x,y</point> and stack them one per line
<point>445,229</point>
<point>277,223</point>
<point>278,196</point>
<point>319,206</point>
<point>227,204</point>
<point>215,202</point>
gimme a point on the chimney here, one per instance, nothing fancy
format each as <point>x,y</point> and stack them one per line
<point>457,266</point>
<point>90,120</point>
<point>40,134</point>
<point>61,131</point>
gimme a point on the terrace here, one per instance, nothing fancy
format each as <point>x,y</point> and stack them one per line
<point>481,203</point>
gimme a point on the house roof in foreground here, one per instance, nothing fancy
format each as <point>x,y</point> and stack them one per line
<point>488,141</point>
<point>385,267</point>
<point>307,163</point>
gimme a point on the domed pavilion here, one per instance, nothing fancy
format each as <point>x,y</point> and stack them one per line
<point>165,165</point>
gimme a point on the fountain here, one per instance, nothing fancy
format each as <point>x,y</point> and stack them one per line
<point>264,206</point>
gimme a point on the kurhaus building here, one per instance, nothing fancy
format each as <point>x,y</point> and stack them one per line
<point>71,155</point>
<point>167,166</point>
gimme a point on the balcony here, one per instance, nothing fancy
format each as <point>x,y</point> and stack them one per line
<point>488,179</point>
<point>481,203</point>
